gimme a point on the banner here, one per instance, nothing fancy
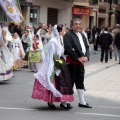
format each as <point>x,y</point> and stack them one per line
<point>19,9</point>
<point>81,11</point>
<point>11,11</point>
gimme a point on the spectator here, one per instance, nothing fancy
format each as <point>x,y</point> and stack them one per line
<point>117,43</point>
<point>115,31</point>
<point>105,41</point>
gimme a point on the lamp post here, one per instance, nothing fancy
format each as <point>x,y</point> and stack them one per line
<point>110,3</point>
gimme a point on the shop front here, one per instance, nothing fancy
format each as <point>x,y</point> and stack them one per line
<point>83,13</point>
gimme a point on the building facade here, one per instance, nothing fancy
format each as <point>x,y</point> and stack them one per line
<point>91,12</point>
<point>94,12</point>
<point>46,11</point>
<point>118,12</point>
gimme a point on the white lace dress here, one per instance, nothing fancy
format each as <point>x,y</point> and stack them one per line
<point>6,62</point>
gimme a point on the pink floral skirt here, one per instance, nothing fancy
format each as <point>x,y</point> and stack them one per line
<point>41,93</point>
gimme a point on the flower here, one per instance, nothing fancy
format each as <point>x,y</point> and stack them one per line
<point>38,46</point>
<point>59,63</point>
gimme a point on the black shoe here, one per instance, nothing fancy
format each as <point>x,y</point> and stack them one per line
<point>64,107</point>
<point>106,61</point>
<point>84,106</point>
<point>69,106</point>
<point>51,106</point>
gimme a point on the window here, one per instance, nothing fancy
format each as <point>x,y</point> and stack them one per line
<point>34,15</point>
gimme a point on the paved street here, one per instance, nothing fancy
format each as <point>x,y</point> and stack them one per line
<point>102,81</point>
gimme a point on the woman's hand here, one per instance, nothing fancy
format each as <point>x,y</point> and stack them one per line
<point>0,44</point>
<point>3,33</point>
<point>34,51</point>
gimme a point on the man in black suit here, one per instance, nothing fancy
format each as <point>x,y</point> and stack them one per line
<point>77,53</point>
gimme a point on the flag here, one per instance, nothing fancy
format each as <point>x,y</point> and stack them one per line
<point>11,11</point>
<point>19,9</point>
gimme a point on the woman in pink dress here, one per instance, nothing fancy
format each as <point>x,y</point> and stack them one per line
<point>59,88</point>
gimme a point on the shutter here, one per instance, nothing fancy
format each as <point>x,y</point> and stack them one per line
<point>52,16</point>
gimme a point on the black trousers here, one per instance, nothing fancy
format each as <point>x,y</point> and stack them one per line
<point>96,46</point>
<point>104,50</point>
<point>77,74</point>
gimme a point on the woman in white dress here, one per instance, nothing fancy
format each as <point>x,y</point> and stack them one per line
<point>6,58</point>
<point>18,53</point>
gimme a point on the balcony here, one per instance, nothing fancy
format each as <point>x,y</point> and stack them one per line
<point>25,3</point>
<point>67,0</point>
<point>103,1</point>
<point>81,2</point>
<point>113,1</point>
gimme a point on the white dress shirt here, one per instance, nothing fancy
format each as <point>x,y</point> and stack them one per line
<point>81,43</point>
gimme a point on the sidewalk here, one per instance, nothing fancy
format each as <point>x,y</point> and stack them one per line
<point>102,80</point>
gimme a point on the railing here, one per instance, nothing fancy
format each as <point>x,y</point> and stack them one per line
<point>106,1</point>
<point>83,1</point>
<point>113,1</point>
<point>68,0</point>
<point>92,2</point>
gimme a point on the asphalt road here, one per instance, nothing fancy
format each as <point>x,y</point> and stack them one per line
<point>16,102</point>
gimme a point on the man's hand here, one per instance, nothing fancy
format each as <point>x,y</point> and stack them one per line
<point>85,59</point>
<point>81,60</point>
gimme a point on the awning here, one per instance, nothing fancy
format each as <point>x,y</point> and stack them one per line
<point>81,11</point>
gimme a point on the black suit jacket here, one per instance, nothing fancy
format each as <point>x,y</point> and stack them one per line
<point>71,41</point>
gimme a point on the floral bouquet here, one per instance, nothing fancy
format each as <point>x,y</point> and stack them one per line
<point>36,45</point>
<point>59,63</point>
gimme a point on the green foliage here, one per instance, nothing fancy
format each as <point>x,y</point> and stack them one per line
<point>59,63</point>
<point>110,12</point>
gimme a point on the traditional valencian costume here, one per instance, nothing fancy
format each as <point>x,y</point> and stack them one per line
<point>26,42</point>
<point>6,60</point>
<point>35,54</point>
<point>59,88</point>
<point>18,52</point>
